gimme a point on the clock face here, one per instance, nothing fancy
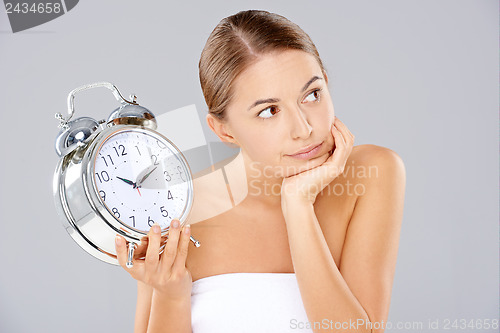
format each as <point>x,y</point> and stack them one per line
<point>141,179</point>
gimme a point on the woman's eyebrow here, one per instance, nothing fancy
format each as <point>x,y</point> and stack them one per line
<point>276,100</point>
<point>314,78</point>
<point>263,101</point>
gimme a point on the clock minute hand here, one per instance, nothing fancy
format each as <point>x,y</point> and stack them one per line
<point>145,176</point>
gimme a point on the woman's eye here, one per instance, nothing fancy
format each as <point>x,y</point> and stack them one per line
<point>268,112</point>
<point>313,96</point>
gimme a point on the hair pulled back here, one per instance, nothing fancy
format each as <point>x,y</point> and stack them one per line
<point>236,42</point>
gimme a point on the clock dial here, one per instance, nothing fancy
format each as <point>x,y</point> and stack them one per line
<point>141,179</point>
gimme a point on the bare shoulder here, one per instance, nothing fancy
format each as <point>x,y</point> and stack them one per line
<point>375,162</point>
<point>368,165</point>
<point>369,153</point>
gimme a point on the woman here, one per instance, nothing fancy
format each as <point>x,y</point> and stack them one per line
<point>321,219</point>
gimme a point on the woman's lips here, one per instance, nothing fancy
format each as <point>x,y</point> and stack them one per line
<point>309,153</point>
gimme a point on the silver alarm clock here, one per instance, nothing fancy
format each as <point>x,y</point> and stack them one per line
<point>118,176</point>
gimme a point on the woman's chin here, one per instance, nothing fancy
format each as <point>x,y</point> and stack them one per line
<point>306,165</point>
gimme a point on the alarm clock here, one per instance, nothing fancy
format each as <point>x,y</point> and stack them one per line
<point>118,176</point>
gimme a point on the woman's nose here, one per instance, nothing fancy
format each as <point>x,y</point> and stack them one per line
<point>300,127</point>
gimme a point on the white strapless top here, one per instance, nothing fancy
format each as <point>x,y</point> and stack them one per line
<point>247,302</point>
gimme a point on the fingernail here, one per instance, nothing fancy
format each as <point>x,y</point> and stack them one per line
<point>187,228</point>
<point>156,229</point>
<point>118,241</point>
<point>175,224</point>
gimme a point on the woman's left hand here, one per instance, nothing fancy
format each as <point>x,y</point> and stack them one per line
<point>308,184</point>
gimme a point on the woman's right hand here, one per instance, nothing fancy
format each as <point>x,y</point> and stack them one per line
<point>165,272</point>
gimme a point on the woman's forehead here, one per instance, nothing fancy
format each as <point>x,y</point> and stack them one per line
<point>276,72</point>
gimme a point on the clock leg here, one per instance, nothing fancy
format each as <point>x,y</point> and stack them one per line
<point>131,249</point>
<point>195,242</point>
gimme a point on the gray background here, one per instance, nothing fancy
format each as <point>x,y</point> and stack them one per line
<point>419,77</point>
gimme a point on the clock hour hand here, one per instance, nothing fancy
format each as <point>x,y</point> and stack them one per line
<point>127,181</point>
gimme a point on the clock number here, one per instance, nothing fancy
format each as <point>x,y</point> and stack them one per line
<point>163,211</point>
<point>123,153</point>
<point>103,176</point>
<point>103,195</point>
<point>116,212</point>
<point>110,159</point>
<point>154,158</point>
<point>133,220</point>
<point>150,221</point>
<point>167,176</point>
<point>169,196</point>
<point>181,173</point>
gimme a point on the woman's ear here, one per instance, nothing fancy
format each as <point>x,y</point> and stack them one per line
<point>220,128</point>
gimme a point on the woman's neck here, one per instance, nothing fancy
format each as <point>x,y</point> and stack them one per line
<point>251,182</point>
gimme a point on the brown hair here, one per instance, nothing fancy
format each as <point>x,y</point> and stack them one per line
<point>236,42</point>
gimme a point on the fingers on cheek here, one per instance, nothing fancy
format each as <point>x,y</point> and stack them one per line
<point>338,137</point>
<point>347,134</point>
<point>335,138</point>
<point>335,131</point>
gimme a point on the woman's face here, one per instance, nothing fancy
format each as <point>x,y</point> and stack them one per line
<point>281,107</point>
